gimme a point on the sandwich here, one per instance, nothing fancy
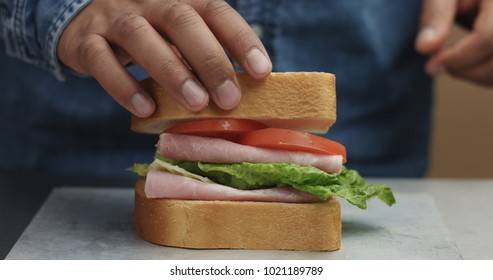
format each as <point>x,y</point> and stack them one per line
<point>255,177</point>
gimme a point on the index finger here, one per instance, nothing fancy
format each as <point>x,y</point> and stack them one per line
<point>475,47</point>
<point>437,17</point>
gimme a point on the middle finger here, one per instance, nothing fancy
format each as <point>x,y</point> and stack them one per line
<point>474,48</point>
<point>200,48</point>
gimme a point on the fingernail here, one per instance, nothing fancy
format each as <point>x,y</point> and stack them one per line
<point>194,95</point>
<point>142,105</point>
<point>257,62</point>
<point>427,35</point>
<point>228,94</point>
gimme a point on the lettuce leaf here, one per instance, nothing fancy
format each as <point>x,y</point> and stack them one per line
<point>140,169</point>
<point>348,184</point>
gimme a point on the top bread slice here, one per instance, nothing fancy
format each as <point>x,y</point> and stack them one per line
<point>303,101</point>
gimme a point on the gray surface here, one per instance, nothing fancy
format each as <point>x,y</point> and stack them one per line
<point>88,223</point>
<point>466,207</point>
<point>23,194</point>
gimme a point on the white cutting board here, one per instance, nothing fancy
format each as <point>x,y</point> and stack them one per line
<point>97,223</point>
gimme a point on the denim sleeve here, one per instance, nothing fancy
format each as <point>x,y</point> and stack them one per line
<point>30,29</point>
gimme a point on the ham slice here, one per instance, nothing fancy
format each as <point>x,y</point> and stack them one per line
<point>205,149</point>
<point>160,184</point>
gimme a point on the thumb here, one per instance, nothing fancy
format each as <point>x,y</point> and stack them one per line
<point>437,17</point>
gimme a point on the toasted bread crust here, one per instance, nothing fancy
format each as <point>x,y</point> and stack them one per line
<point>238,225</point>
<point>297,100</point>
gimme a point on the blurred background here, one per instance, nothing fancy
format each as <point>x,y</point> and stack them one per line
<point>462,137</point>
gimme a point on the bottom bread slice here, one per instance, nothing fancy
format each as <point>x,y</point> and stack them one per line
<point>238,224</point>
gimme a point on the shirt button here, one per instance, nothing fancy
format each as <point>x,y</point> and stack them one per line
<point>258,29</point>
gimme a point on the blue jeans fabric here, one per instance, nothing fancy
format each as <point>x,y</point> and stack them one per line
<point>73,127</point>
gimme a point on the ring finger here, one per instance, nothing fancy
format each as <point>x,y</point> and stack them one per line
<point>132,33</point>
<point>100,61</point>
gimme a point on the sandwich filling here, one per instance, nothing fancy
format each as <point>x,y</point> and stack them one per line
<point>296,167</point>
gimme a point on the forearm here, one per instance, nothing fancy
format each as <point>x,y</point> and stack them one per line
<point>30,29</point>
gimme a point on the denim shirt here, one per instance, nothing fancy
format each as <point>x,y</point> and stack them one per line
<point>74,127</point>
<point>31,29</point>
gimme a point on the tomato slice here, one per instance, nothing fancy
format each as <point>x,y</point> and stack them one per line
<point>292,140</point>
<point>229,129</point>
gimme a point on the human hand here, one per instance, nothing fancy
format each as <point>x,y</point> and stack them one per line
<point>179,43</point>
<point>470,58</point>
